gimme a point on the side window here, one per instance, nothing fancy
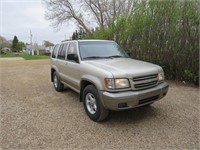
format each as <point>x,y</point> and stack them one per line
<point>62,51</point>
<point>59,51</point>
<point>55,49</point>
<point>72,49</point>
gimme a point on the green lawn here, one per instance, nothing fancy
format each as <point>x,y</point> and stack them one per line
<point>24,55</point>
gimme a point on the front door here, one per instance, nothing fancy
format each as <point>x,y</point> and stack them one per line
<point>72,68</point>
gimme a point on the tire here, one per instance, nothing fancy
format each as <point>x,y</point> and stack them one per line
<point>57,84</point>
<point>93,105</point>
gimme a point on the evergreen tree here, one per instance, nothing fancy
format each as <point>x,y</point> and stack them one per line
<point>76,35</point>
<point>14,42</point>
<point>73,36</point>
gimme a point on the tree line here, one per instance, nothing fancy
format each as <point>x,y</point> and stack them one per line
<point>14,44</point>
<point>161,32</point>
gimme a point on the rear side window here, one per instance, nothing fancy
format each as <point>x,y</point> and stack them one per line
<point>55,51</point>
<point>62,51</point>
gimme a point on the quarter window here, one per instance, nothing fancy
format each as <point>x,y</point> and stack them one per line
<point>55,51</point>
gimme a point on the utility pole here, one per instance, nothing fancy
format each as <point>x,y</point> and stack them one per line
<point>31,36</point>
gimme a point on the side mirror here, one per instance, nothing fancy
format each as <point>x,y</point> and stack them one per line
<point>72,57</point>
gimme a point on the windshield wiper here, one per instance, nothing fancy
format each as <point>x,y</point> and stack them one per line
<point>115,56</point>
<point>100,57</point>
<point>93,57</point>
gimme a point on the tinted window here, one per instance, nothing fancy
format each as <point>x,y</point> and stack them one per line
<point>62,51</point>
<point>55,51</point>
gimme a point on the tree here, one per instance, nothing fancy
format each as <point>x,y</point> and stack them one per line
<point>169,39</point>
<point>157,31</point>
<point>73,36</point>
<point>107,12</point>
<point>65,13</point>
<point>79,34</point>
<point>4,43</point>
<point>102,12</point>
<point>20,46</point>
<point>14,42</point>
<point>48,44</point>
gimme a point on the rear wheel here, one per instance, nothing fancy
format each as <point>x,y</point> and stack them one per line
<point>93,105</point>
<point>57,84</point>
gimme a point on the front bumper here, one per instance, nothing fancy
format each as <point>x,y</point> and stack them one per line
<point>131,99</point>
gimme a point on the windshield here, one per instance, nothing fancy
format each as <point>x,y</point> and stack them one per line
<point>100,49</point>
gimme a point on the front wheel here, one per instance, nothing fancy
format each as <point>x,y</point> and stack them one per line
<point>93,105</point>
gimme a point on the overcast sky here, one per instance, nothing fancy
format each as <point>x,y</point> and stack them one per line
<point>19,17</point>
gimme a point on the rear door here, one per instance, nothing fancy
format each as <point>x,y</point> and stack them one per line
<point>61,61</point>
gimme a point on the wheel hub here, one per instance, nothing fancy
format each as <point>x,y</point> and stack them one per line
<point>55,80</point>
<point>91,103</point>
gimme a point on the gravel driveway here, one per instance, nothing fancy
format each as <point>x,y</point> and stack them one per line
<point>35,116</point>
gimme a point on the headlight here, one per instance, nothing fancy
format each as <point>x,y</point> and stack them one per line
<point>161,76</point>
<point>117,83</point>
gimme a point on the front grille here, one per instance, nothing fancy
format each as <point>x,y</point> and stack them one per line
<point>145,82</point>
<point>142,101</point>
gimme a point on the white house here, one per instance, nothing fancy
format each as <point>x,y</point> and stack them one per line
<point>37,49</point>
<point>29,49</point>
<point>50,48</point>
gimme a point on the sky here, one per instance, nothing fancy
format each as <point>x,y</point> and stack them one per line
<point>20,17</point>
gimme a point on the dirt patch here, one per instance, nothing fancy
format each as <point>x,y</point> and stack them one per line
<point>11,58</point>
<point>34,116</point>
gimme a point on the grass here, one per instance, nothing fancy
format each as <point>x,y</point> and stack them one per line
<point>29,57</point>
<point>24,55</point>
<point>9,54</point>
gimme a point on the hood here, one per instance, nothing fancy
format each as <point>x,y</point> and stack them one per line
<point>125,67</point>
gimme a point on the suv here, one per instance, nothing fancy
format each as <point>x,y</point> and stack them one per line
<point>105,77</point>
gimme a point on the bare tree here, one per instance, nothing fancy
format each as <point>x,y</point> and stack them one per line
<point>62,11</point>
<point>97,9</point>
<point>107,11</point>
<point>104,12</point>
